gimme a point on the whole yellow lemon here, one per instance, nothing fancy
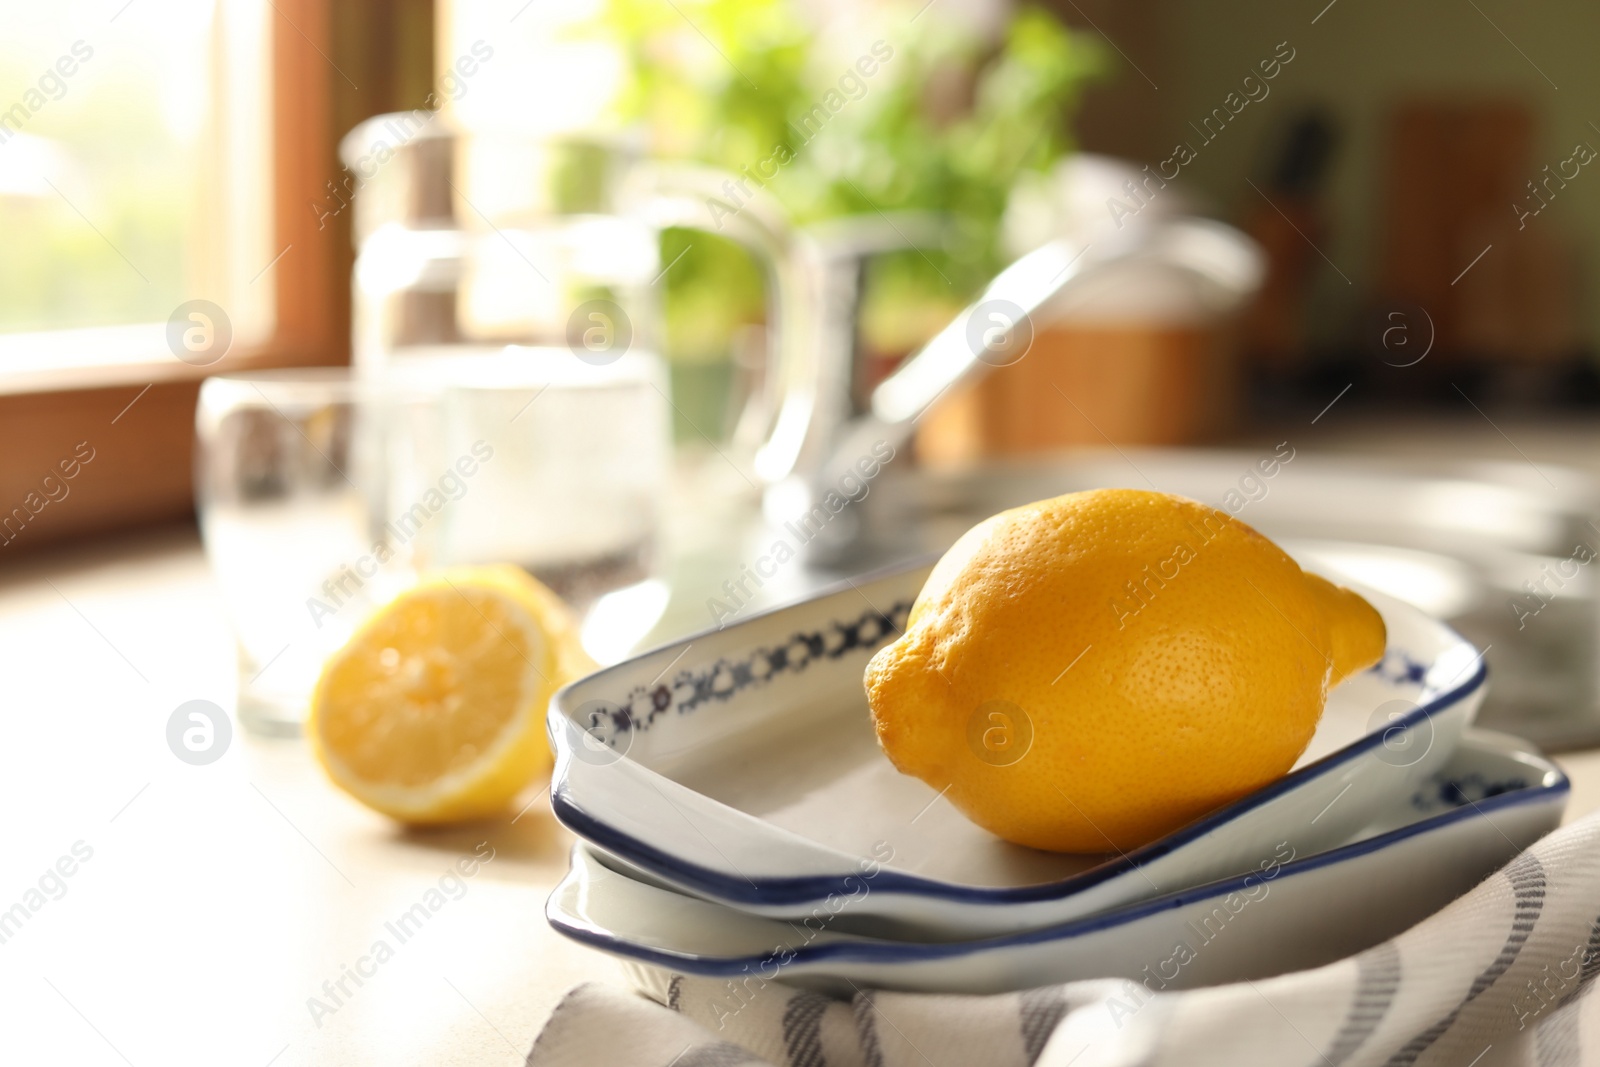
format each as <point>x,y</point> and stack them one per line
<point>1090,672</point>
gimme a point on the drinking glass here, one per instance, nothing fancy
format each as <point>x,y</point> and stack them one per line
<point>284,495</point>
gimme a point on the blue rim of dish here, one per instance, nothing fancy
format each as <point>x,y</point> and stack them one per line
<point>1555,784</point>
<point>791,890</point>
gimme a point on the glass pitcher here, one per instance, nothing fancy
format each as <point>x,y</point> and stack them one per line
<point>511,281</point>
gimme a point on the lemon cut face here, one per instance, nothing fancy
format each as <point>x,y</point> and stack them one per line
<point>434,710</point>
<point>1088,673</point>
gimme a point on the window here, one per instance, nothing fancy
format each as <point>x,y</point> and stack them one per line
<point>133,165</point>
<point>154,152</point>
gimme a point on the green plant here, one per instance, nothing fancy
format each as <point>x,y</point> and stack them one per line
<point>944,122</point>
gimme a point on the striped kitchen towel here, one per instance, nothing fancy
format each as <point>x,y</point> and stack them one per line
<point>1500,977</point>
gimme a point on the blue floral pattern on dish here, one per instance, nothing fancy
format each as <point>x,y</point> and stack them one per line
<point>692,688</point>
<point>1445,794</point>
<point>1399,667</point>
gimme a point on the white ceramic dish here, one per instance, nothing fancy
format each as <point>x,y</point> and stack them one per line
<point>1295,910</point>
<point>739,765</point>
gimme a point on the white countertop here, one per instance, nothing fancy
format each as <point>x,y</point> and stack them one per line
<point>217,900</point>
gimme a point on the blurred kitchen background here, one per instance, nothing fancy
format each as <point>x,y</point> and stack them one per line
<point>1339,278</point>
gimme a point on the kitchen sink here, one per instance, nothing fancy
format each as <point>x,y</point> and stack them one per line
<point>1499,550</point>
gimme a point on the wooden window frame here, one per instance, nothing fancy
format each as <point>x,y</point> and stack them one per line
<point>137,418</point>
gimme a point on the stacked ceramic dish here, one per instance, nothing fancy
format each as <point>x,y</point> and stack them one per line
<point>738,818</point>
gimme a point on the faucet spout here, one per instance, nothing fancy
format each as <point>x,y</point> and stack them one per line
<point>997,330</point>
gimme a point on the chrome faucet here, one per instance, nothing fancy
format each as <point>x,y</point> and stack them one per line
<point>817,451</point>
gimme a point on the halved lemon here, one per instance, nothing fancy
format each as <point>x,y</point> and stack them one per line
<point>434,710</point>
